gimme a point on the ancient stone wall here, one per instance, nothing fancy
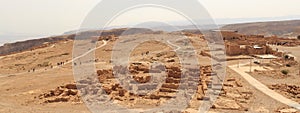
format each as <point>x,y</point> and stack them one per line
<point>234,49</point>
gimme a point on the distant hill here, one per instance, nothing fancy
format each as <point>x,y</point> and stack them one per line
<point>9,48</point>
<point>20,46</point>
<point>279,28</point>
<point>284,29</point>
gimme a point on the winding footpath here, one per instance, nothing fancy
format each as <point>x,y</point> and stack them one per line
<point>76,58</point>
<point>178,47</point>
<point>263,88</point>
<point>69,62</point>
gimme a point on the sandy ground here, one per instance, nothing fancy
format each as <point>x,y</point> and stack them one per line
<point>18,91</point>
<point>18,94</point>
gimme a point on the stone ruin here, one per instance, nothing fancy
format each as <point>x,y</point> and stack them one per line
<point>233,48</point>
<point>167,90</point>
<point>277,74</point>
<point>240,44</point>
<point>290,91</point>
<point>107,88</point>
<point>66,93</point>
<point>233,96</point>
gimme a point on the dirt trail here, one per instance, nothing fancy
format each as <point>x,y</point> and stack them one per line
<point>55,67</point>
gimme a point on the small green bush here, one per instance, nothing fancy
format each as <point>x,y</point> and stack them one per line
<point>285,72</point>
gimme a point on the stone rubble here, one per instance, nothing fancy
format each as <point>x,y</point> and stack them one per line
<point>107,88</point>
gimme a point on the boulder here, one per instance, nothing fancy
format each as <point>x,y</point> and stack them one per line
<point>71,86</point>
<point>58,91</point>
<point>227,104</point>
<point>171,60</point>
<point>122,92</point>
<point>291,110</point>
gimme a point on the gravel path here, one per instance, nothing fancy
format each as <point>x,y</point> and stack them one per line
<point>261,87</point>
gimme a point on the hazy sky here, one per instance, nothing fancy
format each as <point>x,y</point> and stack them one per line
<point>49,17</point>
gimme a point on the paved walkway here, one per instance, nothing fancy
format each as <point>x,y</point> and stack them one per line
<point>263,88</point>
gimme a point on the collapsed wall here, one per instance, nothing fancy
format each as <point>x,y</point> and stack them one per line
<point>107,82</point>
<point>106,88</point>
